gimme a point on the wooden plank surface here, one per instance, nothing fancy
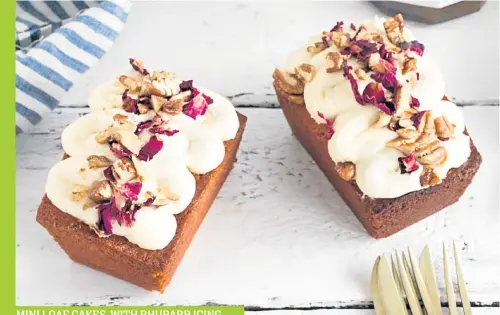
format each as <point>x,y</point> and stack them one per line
<point>277,236</point>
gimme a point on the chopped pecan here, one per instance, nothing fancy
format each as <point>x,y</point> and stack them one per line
<point>405,123</point>
<point>79,192</point>
<point>346,170</point>
<point>162,75</point>
<point>373,36</point>
<point>101,192</point>
<point>406,146</point>
<point>340,39</point>
<point>142,108</point>
<point>444,129</point>
<point>288,83</point>
<point>429,126</point>
<point>426,147</point>
<point>89,203</point>
<point>157,102</point>
<point>429,177</point>
<point>120,118</point>
<point>146,87</point>
<point>129,82</point>
<point>394,28</point>
<point>317,48</point>
<point>96,161</point>
<point>402,99</point>
<point>124,170</point>
<point>360,73</point>
<point>383,120</point>
<point>410,134</point>
<point>138,66</point>
<point>306,72</point>
<point>433,158</point>
<point>165,197</point>
<point>410,64</point>
<point>333,62</point>
<point>173,106</point>
<point>104,136</point>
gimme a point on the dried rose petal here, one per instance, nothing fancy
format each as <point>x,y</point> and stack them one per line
<point>408,164</point>
<point>417,118</point>
<point>107,212</point>
<point>414,46</point>
<point>353,27</point>
<point>329,123</point>
<point>131,190</point>
<point>129,104</point>
<point>143,125</point>
<point>326,40</point>
<point>149,201</point>
<point>160,130</point>
<point>355,89</point>
<point>387,107</point>
<point>415,103</point>
<point>197,105</point>
<point>360,49</point>
<point>108,173</point>
<point>386,54</point>
<point>142,71</point>
<point>146,100</point>
<point>186,85</point>
<point>338,27</point>
<point>418,76</point>
<point>373,94</point>
<point>362,27</point>
<point>388,80</point>
<point>148,151</point>
<point>118,149</point>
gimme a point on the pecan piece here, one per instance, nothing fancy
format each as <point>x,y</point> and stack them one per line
<point>444,129</point>
<point>124,170</point>
<point>157,102</point>
<point>429,177</point>
<point>146,87</point>
<point>435,157</point>
<point>402,99</point>
<point>360,73</point>
<point>426,147</point>
<point>305,72</point>
<point>142,108</point>
<point>333,62</point>
<point>346,170</point>
<point>288,83</point>
<point>429,127</point>
<point>340,39</point>
<point>120,118</point>
<point>96,161</point>
<point>129,82</point>
<point>317,48</point>
<point>410,64</point>
<point>138,66</point>
<point>173,106</point>
<point>101,192</point>
<point>79,192</point>
<point>394,29</point>
<point>410,134</point>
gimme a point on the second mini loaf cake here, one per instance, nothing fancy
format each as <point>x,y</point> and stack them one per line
<point>369,106</point>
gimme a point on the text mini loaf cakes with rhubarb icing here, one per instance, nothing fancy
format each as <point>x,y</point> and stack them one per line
<point>369,106</point>
<point>141,171</point>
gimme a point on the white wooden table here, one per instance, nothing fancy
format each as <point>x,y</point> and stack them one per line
<point>278,239</point>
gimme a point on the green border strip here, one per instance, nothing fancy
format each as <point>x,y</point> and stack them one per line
<point>8,158</point>
<point>132,310</point>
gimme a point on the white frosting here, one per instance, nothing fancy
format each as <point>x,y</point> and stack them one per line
<point>197,148</point>
<point>355,138</point>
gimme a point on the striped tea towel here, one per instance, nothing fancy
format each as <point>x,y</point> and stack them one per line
<point>56,42</point>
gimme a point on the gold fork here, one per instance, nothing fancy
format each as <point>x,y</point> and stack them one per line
<point>405,282</point>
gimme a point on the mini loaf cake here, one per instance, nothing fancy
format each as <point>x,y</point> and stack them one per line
<point>369,106</point>
<point>140,172</point>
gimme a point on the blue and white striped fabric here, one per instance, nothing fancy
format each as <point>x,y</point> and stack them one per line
<point>57,42</point>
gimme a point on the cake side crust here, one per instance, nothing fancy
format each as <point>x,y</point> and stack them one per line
<point>384,216</point>
<point>116,256</point>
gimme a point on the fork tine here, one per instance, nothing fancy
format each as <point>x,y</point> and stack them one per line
<point>397,279</point>
<point>377,299</point>
<point>411,295</point>
<point>461,284</point>
<point>452,303</point>
<point>430,306</point>
<point>388,290</point>
<point>427,269</point>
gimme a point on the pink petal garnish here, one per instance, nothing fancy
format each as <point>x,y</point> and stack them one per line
<point>388,80</point>
<point>107,212</point>
<point>148,151</point>
<point>414,46</point>
<point>417,118</point>
<point>415,103</point>
<point>160,130</point>
<point>142,71</point>
<point>108,174</point>
<point>386,54</point>
<point>408,164</point>
<point>329,123</point>
<point>373,94</point>
<point>186,85</point>
<point>119,150</point>
<point>338,27</point>
<point>131,190</point>
<point>143,125</point>
<point>360,49</point>
<point>129,104</point>
<point>354,84</point>
<point>197,105</point>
